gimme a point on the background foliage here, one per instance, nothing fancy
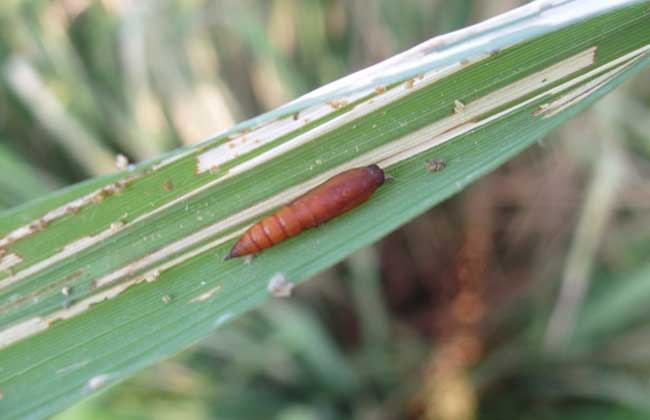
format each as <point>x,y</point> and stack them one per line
<point>450,317</point>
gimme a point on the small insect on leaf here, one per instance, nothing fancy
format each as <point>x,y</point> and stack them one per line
<point>337,195</point>
<point>435,165</point>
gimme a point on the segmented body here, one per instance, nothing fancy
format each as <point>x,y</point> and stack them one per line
<point>339,194</point>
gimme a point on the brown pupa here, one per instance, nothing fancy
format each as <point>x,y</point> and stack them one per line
<point>332,198</point>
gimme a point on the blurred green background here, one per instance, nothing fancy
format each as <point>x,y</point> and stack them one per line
<point>525,296</point>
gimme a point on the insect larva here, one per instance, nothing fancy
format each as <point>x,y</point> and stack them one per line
<point>335,196</point>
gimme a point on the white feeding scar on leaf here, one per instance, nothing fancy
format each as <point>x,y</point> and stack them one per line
<point>72,367</point>
<point>205,295</point>
<point>576,95</point>
<point>507,29</point>
<point>21,330</point>
<point>9,261</point>
<point>69,208</point>
<point>33,326</point>
<point>166,252</point>
<point>70,249</point>
<point>462,122</point>
<point>223,153</point>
